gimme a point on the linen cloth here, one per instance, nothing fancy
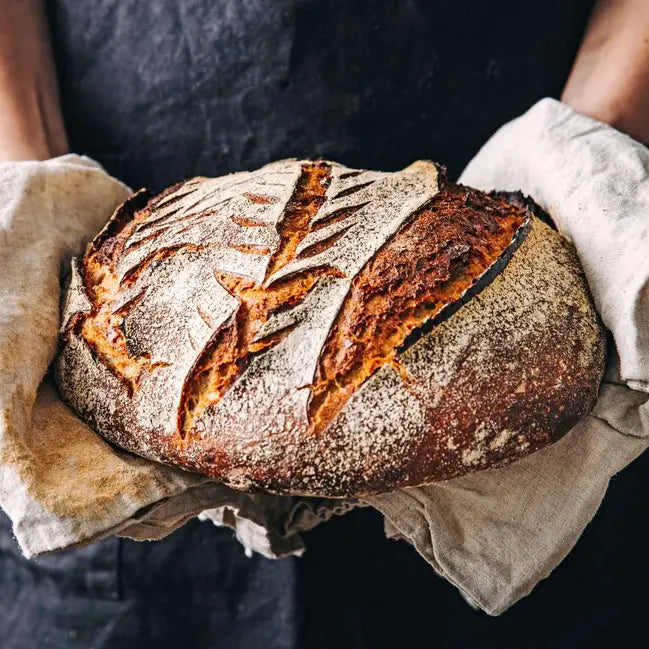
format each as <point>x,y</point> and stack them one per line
<point>494,534</point>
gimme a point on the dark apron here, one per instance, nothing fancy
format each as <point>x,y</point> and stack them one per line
<point>158,91</point>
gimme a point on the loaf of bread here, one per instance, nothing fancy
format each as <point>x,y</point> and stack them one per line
<point>312,329</point>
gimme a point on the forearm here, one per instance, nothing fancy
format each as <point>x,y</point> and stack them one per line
<point>610,77</point>
<point>31,126</point>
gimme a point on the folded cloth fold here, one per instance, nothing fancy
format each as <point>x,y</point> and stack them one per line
<point>493,534</point>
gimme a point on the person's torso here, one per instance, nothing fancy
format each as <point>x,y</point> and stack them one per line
<point>159,91</point>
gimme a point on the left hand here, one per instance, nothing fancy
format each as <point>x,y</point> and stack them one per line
<point>609,79</point>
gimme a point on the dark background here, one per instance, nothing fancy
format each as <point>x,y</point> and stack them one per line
<point>159,91</point>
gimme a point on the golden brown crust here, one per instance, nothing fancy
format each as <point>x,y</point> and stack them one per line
<point>238,326</point>
<point>430,263</point>
<point>227,355</point>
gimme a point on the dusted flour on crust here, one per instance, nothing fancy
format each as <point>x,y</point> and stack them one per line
<point>312,329</point>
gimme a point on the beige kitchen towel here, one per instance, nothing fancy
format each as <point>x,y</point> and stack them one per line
<point>497,533</point>
<point>60,483</point>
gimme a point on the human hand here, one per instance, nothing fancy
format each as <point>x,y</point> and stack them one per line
<point>609,77</point>
<point>31,126</point>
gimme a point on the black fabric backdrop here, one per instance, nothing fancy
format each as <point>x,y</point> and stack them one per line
<point>159,91</point>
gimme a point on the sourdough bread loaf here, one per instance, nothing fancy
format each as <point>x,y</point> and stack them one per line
<point>312,329</point>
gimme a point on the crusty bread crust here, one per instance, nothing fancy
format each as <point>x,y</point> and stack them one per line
<point>312,329</point>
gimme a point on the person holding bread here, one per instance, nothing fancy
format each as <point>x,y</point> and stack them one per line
<point>160,92</point>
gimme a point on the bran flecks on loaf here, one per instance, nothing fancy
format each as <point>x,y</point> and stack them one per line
<point>312,329</point>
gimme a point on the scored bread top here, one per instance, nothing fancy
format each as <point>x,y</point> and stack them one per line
<point>313,329</point>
